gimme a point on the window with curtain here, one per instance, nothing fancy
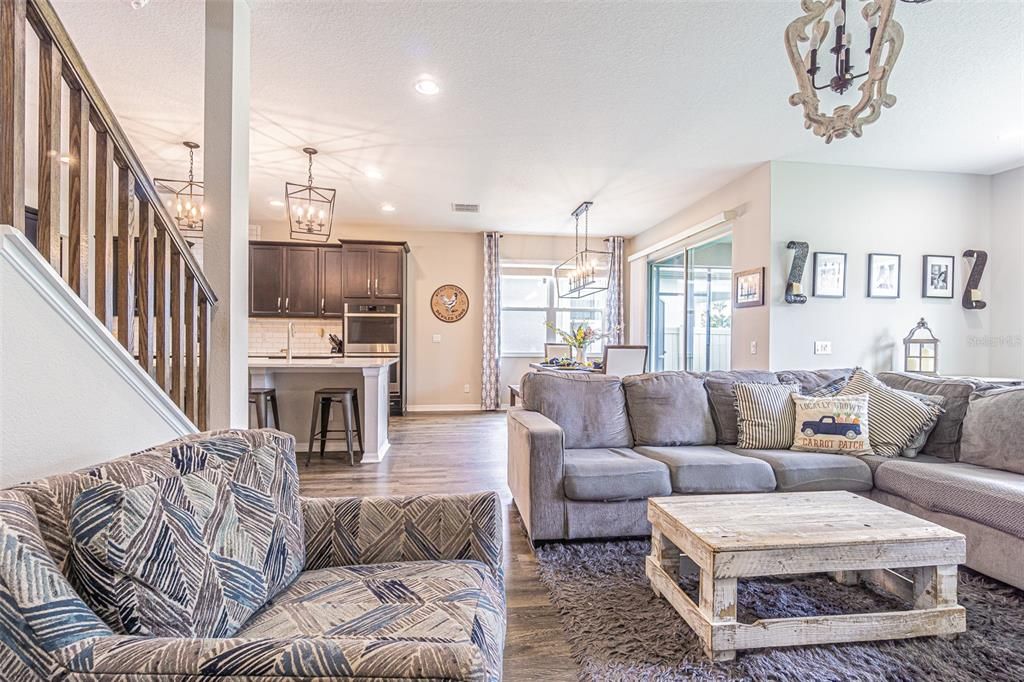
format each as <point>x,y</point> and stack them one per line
<point>529,300</point>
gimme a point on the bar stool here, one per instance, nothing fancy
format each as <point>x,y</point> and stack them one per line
<point>349,401</point>
<point>260,397</point>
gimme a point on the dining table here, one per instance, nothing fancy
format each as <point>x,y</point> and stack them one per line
<point>571,369</point>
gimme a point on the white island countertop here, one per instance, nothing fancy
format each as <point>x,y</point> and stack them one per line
<point>319,363</point>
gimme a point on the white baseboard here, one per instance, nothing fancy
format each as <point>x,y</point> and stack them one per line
<point>465,407</point>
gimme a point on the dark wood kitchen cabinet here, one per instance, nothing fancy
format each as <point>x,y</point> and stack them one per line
<point>302,281</point>
<point>266,280</point>
<point>332,298</point>
<point>373,272</point>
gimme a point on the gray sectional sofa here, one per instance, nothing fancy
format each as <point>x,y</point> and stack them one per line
<point>586,451</point>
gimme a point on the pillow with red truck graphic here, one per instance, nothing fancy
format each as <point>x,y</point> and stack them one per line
<point>836,424</point>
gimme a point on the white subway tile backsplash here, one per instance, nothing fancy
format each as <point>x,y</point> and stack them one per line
<point>270,336</point>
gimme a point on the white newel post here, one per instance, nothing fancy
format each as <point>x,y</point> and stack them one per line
<point>225,158</point>
<point>375,424</point>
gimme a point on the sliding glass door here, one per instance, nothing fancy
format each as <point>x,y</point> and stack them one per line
<point>691,307</point>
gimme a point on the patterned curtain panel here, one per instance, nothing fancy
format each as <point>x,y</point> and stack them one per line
<point>490,398</point>
<point>613,314</point>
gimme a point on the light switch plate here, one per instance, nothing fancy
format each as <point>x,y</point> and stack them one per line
<point>823,348</point>
<point>753,347</point>
<point>437,338</point>
<point>465,388</point>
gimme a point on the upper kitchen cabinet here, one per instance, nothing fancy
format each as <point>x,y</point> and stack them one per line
<point>332,303</point>
<point>373,271</point>
<point>302,281</point>
<point>266,280</point>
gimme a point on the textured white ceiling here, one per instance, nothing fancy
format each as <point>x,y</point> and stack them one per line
<point>641,107</point>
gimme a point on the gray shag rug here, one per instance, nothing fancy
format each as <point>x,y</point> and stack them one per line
<point>618,629</point>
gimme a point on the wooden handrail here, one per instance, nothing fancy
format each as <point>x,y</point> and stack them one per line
<point>148,287</point>
<point>44,19</point>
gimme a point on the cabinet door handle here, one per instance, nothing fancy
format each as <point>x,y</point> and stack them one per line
<point>367,286</point>
<point>322,308</point>
<point>376,284</point>
<point>286,304</point>
<point>278,304</point>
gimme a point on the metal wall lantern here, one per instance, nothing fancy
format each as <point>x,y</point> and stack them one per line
<point>187,203</point>
<point>586,273</point>
<point>310,209</point>
<point>920,352</point>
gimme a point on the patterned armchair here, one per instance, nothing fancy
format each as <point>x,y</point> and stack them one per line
<point>198,560</point>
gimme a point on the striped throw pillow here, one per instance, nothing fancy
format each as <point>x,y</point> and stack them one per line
<point>765,415</point>
<point>896,418</point>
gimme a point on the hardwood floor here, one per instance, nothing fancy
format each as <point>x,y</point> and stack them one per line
<point>457,453</point>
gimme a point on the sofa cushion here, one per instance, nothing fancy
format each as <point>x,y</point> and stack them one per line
<point>875,461</point>
<point>896,417</point>
<point>807,471</point>
<point>992,430</point>
<point>988,496</point>
<point>710,469</point>
<point>458,603</point>
<point>944,440</point>
<point>590,408</point>
<point>668,408</point>
<point>602,474</point>
<point>206,532</point>
<point>719,385</point>
<point>810,380</point>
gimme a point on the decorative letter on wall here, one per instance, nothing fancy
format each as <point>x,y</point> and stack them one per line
<point>972,295</point>
<point>794,293</point>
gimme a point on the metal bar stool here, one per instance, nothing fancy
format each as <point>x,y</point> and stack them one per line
<point>260,397</point>
<point>349,401</point>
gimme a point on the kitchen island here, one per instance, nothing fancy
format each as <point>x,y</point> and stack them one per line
<point>296,379</point>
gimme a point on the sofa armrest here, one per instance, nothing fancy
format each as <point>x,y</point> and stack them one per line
<point>346,531</point>
<point>536,459</point>
<point>125,657</point>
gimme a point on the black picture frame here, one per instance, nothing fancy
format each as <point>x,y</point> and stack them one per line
<point>928,290</point>
<point>816,288</point>
<point>753,302</point>
<point>872,288</point>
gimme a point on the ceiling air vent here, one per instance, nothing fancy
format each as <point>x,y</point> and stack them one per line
<point>466,208</point>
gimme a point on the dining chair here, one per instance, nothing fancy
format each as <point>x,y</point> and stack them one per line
<point>557,350</point>
<point>621,360</point>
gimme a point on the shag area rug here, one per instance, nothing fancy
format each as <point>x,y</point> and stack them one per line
<point>618,629</point>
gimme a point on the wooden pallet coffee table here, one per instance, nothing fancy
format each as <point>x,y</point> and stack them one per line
<point>727,537</point>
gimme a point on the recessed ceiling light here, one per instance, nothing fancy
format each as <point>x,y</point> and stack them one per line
<point>426,85</point>
<point>373,173</point>
<point>65,158</point>
<point>276,202</point>
<point>387,208</point>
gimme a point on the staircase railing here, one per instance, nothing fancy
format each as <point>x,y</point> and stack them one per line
<point>159,304</point>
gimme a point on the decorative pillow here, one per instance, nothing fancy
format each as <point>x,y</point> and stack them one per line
<point>812,379</point>
<point>200,539</point>
<point>838,424</point>
<point>830,389</point>
<point>765,415</point>
<point>723,399</point>
<point>914,447</point>
<point>896,418</point>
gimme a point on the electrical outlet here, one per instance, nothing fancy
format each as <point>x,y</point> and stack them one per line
<point>753,347</point>
<point>465,388</point>
<point>823,348</point>
<point>437,338</point>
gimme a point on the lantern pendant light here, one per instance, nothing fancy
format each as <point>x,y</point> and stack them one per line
<point>310,208</point>
<point>586,273</point>
<point>187,203</point>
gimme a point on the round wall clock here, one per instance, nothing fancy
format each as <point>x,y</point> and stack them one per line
<point>449,303</point>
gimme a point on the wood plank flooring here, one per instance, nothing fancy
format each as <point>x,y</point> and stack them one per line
<point>458,453</point>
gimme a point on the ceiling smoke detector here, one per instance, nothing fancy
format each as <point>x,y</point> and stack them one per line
<point>466,208</point>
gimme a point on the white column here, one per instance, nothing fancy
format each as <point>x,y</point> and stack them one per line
<point>226,233</point>
<point>374,398</point>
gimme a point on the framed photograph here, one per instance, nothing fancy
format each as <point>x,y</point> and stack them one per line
<point>938,273</point>
<point>883,275</point>
<point>749,288</point>
<point>829,274</point>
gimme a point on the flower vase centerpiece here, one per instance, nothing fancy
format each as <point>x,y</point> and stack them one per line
<point>579,339</point>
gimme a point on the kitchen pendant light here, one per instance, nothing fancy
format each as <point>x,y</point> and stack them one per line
<point>310,209</point>
<point>187,203</point>
<point>586,273</point>
<point>883,37</point>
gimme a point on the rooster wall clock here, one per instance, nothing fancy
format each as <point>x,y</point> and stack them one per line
<point>449,303</point>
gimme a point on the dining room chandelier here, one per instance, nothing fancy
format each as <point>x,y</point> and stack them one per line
<point>310,208</point>
<point>829,21</point>
<point>186,202</point>
<point>586,273</point>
